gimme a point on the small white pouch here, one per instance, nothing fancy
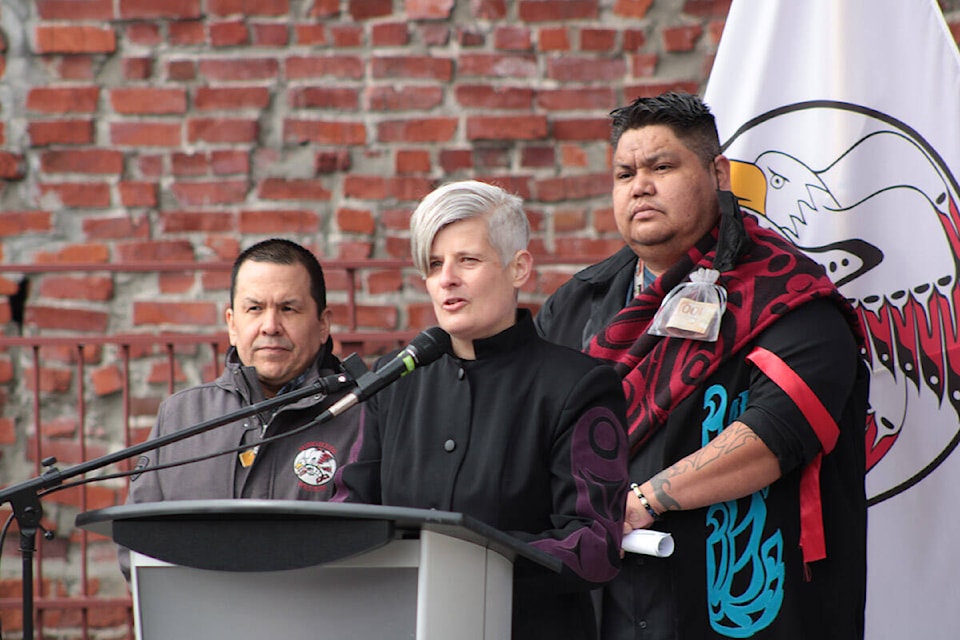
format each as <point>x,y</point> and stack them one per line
<point>693,309</point>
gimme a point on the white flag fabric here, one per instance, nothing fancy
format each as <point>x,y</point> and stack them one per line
<point>842,119</point>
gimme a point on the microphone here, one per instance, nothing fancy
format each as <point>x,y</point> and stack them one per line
<point>425,349</point>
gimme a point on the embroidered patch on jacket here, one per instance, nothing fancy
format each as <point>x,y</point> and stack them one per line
<point>315,464</point>
<point>142,463</point>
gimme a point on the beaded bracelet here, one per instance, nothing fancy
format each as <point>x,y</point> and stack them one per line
<point>643,500</point>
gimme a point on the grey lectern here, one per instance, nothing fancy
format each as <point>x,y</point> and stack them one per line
<point>253,569</point>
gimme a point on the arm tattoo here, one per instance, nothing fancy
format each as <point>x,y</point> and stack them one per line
<point>729,440</point>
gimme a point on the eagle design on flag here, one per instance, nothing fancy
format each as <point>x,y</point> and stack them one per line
<point>882,217</point>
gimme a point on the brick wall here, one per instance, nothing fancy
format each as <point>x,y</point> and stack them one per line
<point>153,131</point>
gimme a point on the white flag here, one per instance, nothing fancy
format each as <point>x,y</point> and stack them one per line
<point>845,116</point>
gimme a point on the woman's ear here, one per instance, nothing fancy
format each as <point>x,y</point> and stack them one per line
<point>522,265</point>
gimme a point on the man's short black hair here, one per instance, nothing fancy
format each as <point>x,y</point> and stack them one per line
<point>685,114</point>
<point>282,251</point>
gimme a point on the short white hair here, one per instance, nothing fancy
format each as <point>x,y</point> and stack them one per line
<point>507,224</point>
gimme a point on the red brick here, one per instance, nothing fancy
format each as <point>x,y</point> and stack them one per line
<point>270,35</point>
<point>423,67</point>
<point>557,10</point>
<point>185,33</point>
<point>313,35</point>
<point>73,39</point>
<point>634,39</point>
<point>122,227</point>
<point>581,129</point>
<point>107,380</point>
<point>231,98</point>
<point>356,221</point>
<point>412,161</point>
<point>176,282</point>
<point>586,69</point>
<point>598,39</point>
<point>156,251</point>
<point>137,68</point>
<point>324,98</point>
<point>63,99</point>
<point>83,253</point>
<point>572,99</point>
<point>365,9</point>
<point>94,161</point>
<point>716,8</point>
<point>248,7</point>
<point>471,37</point>
<point>455,160</point>
<point>346,36</point>
<point>417,130</point>
<point>43,318</point>
<point>189,164</point>
<point>644,65</point>
<point>8,287</point>
<point>489,9</point>
<point>60,132</point>
<point>409,98</point>
<point>484,96</point>
<point>530,127</point>
<point>144,34</point>
<point>587,249</point>
<point>293,189</point>
<point>325,8</point>
<point>146,134</point>
<point>175,313</point>
<point>188,221</point>
<point>346,67</point>
<point>364,187</point>
<point>137,193</point>
<point>181,70</point>
<point>512,38</point>
<point>324,132</point>
<point>332,161</point>
<point>573,155</point>
<point>210,193</point>
<point>394,34</point>
<point>148,100</point>
<point>497,65</point>
<point>279,221</point>
<point>222,130</point>
<point>229,34</point>
<point>75,68</point>
<point>12,166</point>
<point>573,187</point>
<point>631,8</point>
<point>77,194</point>
<point>74,10</point>
<point>632,92</point>
<point>428,9</point>
<point>239,70</point>
<point>538,157</point>
<point>229,162</point>
<point>67,287</point>
<point>411,188</point>
<point>8,433</point>
<point>678,39</point>
<point>151,9</point>
<point>553,39</point>
<point>603,221</point>
<point>384,281</point>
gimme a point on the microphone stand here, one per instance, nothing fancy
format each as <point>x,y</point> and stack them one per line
<point>24,497</point>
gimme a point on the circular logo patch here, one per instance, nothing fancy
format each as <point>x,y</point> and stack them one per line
<point>315,465</point>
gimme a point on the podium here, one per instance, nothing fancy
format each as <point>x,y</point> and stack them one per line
<point>249,569</point>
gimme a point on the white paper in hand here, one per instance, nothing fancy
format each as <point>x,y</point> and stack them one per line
<point>647,542</point>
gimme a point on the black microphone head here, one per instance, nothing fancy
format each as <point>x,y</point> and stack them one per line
<point>429,345</point>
